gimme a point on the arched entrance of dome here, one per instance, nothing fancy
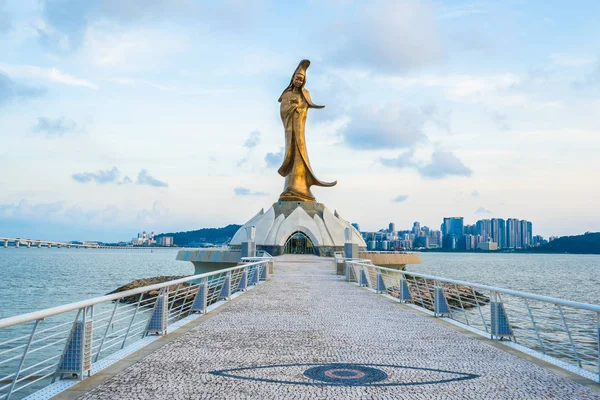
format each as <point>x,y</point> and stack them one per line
<point>298,243</point>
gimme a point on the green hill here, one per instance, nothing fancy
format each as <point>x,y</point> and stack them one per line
<point>588,243</point>
<point>203,236</point>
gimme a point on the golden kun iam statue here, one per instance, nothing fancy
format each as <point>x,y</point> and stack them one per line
<point>299,177</point>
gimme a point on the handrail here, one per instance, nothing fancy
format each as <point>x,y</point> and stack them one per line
<point>561,332</point>
<point>562,302</point>
<point>48,312</point>
<point>105,325</point>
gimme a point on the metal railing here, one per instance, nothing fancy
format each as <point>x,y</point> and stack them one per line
<point>68,341</point>
<point>562,332</point>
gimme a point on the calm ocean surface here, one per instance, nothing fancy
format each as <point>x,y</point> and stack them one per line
<point>33,279</point>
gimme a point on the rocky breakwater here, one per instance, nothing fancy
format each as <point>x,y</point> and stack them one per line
<point>181,296</point>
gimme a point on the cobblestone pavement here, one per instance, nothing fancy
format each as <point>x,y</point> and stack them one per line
<point>305,318</point>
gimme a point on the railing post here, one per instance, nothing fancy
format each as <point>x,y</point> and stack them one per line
<point>362,279</point>
<point>404,292</point>
<point>243,283</point>
<point>14,382</point>
<point>499,321</point>
<point>201,298</point>
<point>226,289</point>
<point>254,275</point>
<point>440,305</point>
<point>380,287</point>
<point>158,321</point>
<point>263,271</point>
<point>77,356</point>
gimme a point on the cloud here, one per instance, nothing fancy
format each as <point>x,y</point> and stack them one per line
<point>482,210</point>
<point>404,160</point>
<point>466,88</point>
<point>55,127</point>
<point>443,164</point>
<point>10,90</point>
<point>24,209</point>
<point>242,191</point>
<point>391,127</point>
<point>101,177</point>
<point>253,140</point>
<point>48,74</point>
<point>500,119</point>
<point>62,222</point>
<point>475,193</point>
<point>144,178</point>
<point>250,143</point>
<point>274,160</point>
<point>158,212</point>
<point>66,31</point>
<point>401,198</point>
<point>394,36</point>
<point>439,117</point>
<point>113,175</point>
<point>592,79</point>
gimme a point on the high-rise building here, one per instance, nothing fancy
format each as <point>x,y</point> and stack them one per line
<point>416,227</point>
<point>499,232</point>
<point>511,233</point>
<point>526,234</point>
<point>484,228</point>
<point>452,230</point>
<point>356,226</point>
<point>469,242</point>
<point>470,229</point>
<point>392,228</point>
<point>435,239</point>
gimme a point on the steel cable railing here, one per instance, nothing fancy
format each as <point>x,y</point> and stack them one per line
<point>68,341</point>
<point>562,332</point>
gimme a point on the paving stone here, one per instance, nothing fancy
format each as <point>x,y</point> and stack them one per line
<point>357,344</point>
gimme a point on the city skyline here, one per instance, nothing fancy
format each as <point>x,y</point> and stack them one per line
<point>115,115</point>
<point>454,234</point>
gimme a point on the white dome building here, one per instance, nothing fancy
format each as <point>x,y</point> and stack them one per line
<point>290,227</point>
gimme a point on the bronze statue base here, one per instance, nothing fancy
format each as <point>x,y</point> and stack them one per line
<point>292,195</point>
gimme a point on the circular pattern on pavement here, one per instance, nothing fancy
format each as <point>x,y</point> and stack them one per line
<point>345,374</point>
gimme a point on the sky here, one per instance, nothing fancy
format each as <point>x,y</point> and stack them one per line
<point>123,116</point>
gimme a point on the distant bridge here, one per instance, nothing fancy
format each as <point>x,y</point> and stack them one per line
<point>17,242</point>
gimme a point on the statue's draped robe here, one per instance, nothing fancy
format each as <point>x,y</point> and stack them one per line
<point>296,168</point>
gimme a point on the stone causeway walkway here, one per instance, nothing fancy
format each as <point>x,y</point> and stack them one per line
<point>308,334</point>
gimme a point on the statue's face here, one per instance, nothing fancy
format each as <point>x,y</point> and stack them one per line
<point>298,80</point>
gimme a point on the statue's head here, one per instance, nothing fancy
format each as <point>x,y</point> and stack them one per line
<point>298,79</point>
<point>297,83</point>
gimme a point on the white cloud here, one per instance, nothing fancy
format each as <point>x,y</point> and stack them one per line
<point>47,74</point>
<point>390,35</point>
<point>107,46</point>
<point>456,87</point>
